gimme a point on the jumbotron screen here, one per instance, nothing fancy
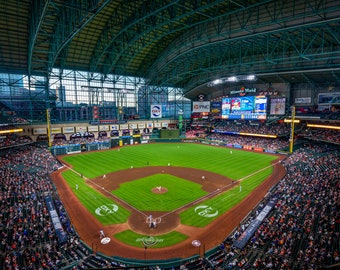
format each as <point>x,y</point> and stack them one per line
<point>252,107</point>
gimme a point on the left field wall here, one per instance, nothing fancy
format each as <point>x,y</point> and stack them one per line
<point>68,129</point>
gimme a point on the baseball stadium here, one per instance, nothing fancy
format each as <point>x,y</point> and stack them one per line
<point>170,135</point>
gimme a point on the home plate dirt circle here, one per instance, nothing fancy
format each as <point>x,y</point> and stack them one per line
<point>165,222</point>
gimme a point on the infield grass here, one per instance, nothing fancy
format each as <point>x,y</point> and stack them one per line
<point>139,193</point>
<point>251,167</point>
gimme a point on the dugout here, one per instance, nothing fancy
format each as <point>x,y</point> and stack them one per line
<point>136,139</point>
<point>126,140</point>
<point>114,142</point>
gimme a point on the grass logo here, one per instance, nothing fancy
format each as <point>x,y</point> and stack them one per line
<point>105,210</point>
<point>206,211</point>
<point>149,241</point>
<point>105,240</point>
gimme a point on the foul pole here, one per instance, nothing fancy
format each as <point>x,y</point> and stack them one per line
<point>48,120</point>
<point>292,126</point>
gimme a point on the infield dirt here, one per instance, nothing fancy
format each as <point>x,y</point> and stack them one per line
<point>210,236</point>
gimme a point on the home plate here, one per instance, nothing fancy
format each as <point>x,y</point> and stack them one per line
<point>105,240</point>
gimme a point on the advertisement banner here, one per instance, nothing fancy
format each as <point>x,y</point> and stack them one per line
<point>216,107</point>
<point>114,127</point>
<point>277,106</point>
<point>156,111</point>
<point>67,130</point>
<point>306,100</point>
<point>327,100</point>
<point>93,128</point>
<point>104,128</point>
<point>201,106</point>
<point>247,147</point>
<point>125,126</point>
<point>55,130</point>
<point>39,131</point>
<point>237,146</point>
<point>61,234</point>
<point>253,226</point>
<point>81,129</point>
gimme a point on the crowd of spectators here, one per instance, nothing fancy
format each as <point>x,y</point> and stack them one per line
<point>14,139</point>
<point>303,229</point>
<point>301,232</point>
<point>7,116</point>
<point>321,134</point>
<point>250,126</point>
<point>263,143</point>
<point>28,238</point>
<point>222,130</point>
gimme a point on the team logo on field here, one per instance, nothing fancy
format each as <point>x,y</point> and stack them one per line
<point>149,241</point>
<point>105,240</point>
<point>206,211</point>
<point>105,210</point>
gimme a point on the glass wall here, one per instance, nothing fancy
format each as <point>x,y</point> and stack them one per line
<point>81,96</point>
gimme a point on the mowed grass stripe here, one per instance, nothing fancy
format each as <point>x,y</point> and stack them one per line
<point>199,156</point>
<point>216,159</point>
<point>97,204</point>
<point>139,193</point>
<point>134,239</point>
<point>205,212</point>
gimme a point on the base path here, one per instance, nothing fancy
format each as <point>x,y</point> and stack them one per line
<point>210,236</point>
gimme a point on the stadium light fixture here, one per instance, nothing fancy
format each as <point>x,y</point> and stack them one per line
<point>232,79</point>
<point>236,78</point>
<point>11,131</point>
<point>296,121</point>
<point>218,81</point>
<point>323,126</point>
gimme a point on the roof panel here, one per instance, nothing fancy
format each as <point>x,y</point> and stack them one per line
<point>171,42</point>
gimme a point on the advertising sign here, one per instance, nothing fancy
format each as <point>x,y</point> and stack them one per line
<point>201,106</point>
<point>40,131</point>
<point>67,130</point>
<point>277,106</point>
<point>156,111</point>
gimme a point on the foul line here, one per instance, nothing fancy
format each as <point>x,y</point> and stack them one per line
<point>117,198</point>
<point>212,194</point>
<point>219,190</point>
<point>265,168</point>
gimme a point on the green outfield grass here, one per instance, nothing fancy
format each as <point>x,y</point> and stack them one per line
<point>251,167</point>
<point>205,157</point>
<point>202,214</point>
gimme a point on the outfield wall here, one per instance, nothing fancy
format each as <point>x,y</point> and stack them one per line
<point>133,140</point>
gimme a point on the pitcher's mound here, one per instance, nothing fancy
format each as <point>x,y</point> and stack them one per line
<point>159,190</point>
